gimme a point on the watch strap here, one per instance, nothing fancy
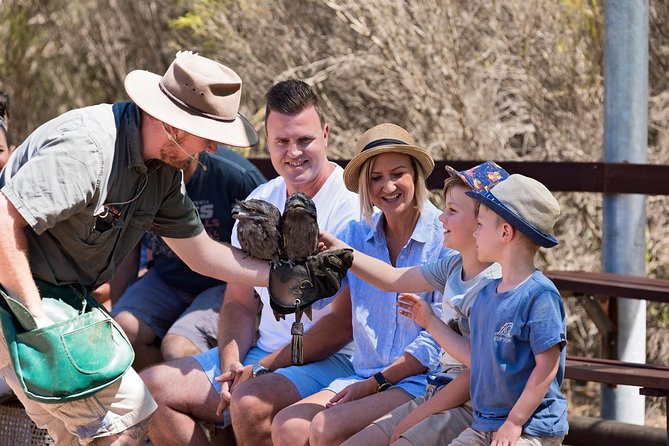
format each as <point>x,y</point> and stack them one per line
<point>258,369</point>
<point>381,381</point>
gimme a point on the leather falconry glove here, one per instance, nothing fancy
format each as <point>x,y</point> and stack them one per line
<point>295,285</point>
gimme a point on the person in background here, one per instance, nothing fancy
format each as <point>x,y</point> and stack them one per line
<point>172,311</point>
<point>5,151</point>
<point>4,107</point>
<point>5,147</point>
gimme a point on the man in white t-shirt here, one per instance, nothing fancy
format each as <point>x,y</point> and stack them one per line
<point>256,381</point>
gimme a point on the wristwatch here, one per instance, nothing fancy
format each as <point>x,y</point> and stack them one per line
<point>259,369</point>
<point>382,382</point>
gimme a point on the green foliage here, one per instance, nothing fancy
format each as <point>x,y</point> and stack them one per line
<point>190,21</point>
<point>60,54</point>
<point>589,13</point>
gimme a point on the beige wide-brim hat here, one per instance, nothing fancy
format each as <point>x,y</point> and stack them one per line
<point>384,138</point>
<point>196,95</point>
<point>525,204</point>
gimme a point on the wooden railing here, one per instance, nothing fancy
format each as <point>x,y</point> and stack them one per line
<point>610,178</point>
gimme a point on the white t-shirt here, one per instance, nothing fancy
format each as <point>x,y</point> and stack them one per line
<point>459,295</point>
<point>336,206</point>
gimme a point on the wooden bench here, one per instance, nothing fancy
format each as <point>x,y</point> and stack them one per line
<point>610,284</point>
<point>652,380</point>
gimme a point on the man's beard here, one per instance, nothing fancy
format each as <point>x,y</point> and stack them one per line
<point>167,156</point>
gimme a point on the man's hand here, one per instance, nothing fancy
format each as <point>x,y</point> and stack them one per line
<point>416,309</point>
<point>42,321</point>
<point>507,435</point>
<point>328,242</point>
<point>236,375</point>
<point>354,392</point>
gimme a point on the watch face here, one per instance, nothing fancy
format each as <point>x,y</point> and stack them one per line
<point>258,370</point>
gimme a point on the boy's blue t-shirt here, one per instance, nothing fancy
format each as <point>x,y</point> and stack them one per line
<point>507,331</point>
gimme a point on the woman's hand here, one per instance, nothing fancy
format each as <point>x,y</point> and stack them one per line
<point>354,392</point>
<point>328,242</point>
<point>416,309</point>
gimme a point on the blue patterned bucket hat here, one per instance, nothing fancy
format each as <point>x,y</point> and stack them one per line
<point>481,177</point>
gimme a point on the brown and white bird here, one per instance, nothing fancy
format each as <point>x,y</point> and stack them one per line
<point>299,227</point>
<point>287,240</point>
<point>258,228</point>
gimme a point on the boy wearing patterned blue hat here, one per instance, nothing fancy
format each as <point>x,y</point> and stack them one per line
<point>517,323</point>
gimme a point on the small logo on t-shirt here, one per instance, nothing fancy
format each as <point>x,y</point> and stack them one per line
<point>504,333</point>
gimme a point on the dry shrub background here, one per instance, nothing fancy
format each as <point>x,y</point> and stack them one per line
<point>503,80</point>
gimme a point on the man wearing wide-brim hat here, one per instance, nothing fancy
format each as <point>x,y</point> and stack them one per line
<point>83,189</point>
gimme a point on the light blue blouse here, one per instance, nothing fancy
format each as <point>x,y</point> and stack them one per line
<point>380,334</point>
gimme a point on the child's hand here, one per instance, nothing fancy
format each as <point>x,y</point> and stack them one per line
<point>404,425</point>
<point>415,308</point>
<point>328,242</point>
<point>507,435</point>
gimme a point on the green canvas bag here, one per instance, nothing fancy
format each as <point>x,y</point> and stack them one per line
<point>83,352</point>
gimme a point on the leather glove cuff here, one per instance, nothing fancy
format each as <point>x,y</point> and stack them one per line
<point>300,283</point>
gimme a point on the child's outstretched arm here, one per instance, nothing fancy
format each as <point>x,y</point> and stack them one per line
<point>544,372</point>
<point>420,311</point>
<point>379,273</point>
<point>454,394</point>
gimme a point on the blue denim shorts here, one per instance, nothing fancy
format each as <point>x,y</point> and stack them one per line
<point>307,379</point>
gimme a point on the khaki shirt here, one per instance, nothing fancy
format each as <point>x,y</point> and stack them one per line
<point>81,184</point>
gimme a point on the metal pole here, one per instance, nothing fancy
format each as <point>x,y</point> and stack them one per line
<point>624,226</point>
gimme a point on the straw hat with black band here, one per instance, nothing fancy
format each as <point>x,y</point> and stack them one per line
<point>196,95</point>
<point>384,138</point>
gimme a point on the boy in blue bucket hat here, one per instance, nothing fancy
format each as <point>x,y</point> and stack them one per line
<point>518,324</point>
